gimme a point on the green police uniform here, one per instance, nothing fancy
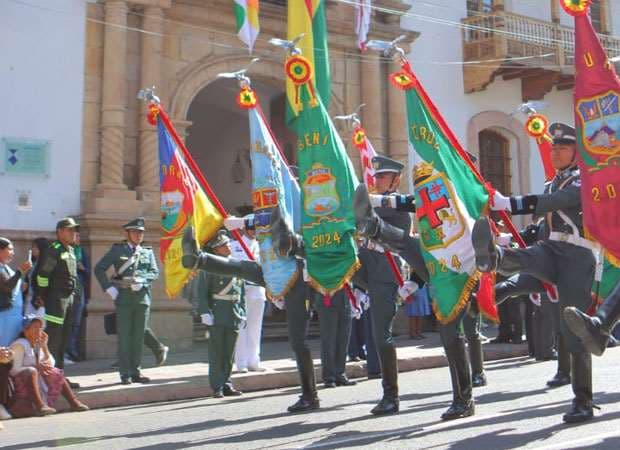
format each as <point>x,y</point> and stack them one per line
<point>55,285</point>
<point>135,269</point>
<point>222,298</point>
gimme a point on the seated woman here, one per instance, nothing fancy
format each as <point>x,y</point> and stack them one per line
<point>6,356</point>
<point>37,382</point>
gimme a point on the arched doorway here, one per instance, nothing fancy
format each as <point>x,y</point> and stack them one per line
<point>219,138</point>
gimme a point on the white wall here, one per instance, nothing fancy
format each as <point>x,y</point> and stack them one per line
<point>41,92</point>
<point>440,45</point>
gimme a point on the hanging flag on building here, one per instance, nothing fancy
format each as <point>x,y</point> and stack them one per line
<point>307,17</point>
<point>367,152</point>
<point>184,202</point>
<point>449,198</point>
<point>273,184</point>
<point>246,14</point>
<point>328,184</point>
<point>597,121</point>
<point>362,22</point>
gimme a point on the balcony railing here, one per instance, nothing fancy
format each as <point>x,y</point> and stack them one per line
<point>503,35</point>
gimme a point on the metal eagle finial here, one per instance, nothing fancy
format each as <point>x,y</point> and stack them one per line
<point>388,49</point>
<point>352,118</point>
<point>240,75</point>
<point>290,46</point>
<point>148,95</point>
<point>531,107</point>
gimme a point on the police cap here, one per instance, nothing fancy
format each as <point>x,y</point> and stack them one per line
<point>562,134</point>
<point>220,238</point>
<point>67,222</point>
<point>135,224</point>
<point>383,164</point>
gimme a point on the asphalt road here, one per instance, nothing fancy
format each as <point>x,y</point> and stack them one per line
<point>514,411</point>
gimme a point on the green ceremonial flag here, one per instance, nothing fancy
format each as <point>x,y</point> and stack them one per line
<point>328,183</point>
<point>449,198</point>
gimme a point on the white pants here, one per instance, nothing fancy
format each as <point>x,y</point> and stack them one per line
<point>247,350</point>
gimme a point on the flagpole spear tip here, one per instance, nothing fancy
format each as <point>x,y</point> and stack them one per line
<point>147,95</point>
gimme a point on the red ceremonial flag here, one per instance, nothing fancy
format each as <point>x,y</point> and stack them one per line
<point>597,121</point>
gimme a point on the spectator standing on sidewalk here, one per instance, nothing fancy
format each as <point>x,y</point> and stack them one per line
<point>247,350</point>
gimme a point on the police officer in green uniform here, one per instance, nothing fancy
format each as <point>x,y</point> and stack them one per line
<point>135,268</point>
<point>55,286</point>
<point>565,259</point>
<point>297,311</point>
<point>221,305</point>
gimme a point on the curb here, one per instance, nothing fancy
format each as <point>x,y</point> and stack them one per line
<point>198,386</point>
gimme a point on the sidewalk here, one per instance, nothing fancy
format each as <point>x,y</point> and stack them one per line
<point>185,375</point>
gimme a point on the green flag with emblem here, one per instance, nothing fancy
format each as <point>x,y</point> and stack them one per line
<point>449,198</point>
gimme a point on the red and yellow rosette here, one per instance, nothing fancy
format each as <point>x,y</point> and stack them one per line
<point>537,126</point>
<point>576,7</point>
<point>299,70</point>
<point>359,137</point>
<point>246,98</point>
<point>402,80</point>
<point>153,112</point>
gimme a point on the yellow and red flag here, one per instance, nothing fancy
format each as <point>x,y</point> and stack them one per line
<point>186,200</point>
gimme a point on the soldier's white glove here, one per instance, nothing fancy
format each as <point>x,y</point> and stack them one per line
<point>112,292</point>
<point>207,319</point>
<point>407,289</point>
<point>500,202</point>
<point>234,223</point>
<point>136,287</point>
<point>279,304</point>
<point>535,299</point>
<point>378,200</point>
<point>504,239</point>
<point>362,299</point>
<point>356,313</point>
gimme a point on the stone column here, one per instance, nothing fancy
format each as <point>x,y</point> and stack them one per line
<point>114,98</point>
<point>372,87</point>
<point>148,163</point>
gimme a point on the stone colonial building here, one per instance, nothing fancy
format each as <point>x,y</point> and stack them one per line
<point>77,108</point>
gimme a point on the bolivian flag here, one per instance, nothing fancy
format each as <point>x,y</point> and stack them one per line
<point>184,203</point>
<point>308,17</point>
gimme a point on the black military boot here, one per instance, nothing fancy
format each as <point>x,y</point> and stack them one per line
<point>390,403</point>
<point>195,259</point>
<point>366,220</point>
<point>562,376</point>
<point>594,331</point>
<point>309,399</point>
<point>476,357</point>
<point>581,374</point>
<point>487,254</point>
<point>462,401</point>
<point>285,241</point>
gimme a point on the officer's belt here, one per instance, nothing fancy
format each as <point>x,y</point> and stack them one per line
<point>574,239</point>
<point>374,246</point>
<point>229,297</point>
<point>124,283</point>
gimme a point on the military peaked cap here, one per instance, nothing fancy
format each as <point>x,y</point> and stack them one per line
<point>67,222</point>
<point>220,238</point>
<point>562,134</point>
<point>135,224</point>
<point>383,164</point>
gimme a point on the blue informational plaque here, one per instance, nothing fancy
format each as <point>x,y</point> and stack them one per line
<point>25,157</point>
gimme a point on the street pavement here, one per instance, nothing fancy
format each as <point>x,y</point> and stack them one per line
<point>515,410</point>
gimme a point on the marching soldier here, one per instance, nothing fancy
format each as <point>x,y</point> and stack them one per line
<point>55,286</point>
<point>565,259</point>
<point>297,314</point>
<point>222,308</point>
<point>382,285</point>
<point>135,269</point>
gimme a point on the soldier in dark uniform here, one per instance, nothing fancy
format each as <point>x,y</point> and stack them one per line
<point>297,313</point>
<point>55,286</point>
<point>135,269</point>
<point>565,259</point>
<point>399,240</point>
<point>222,308</point>
<point>382,285</point>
